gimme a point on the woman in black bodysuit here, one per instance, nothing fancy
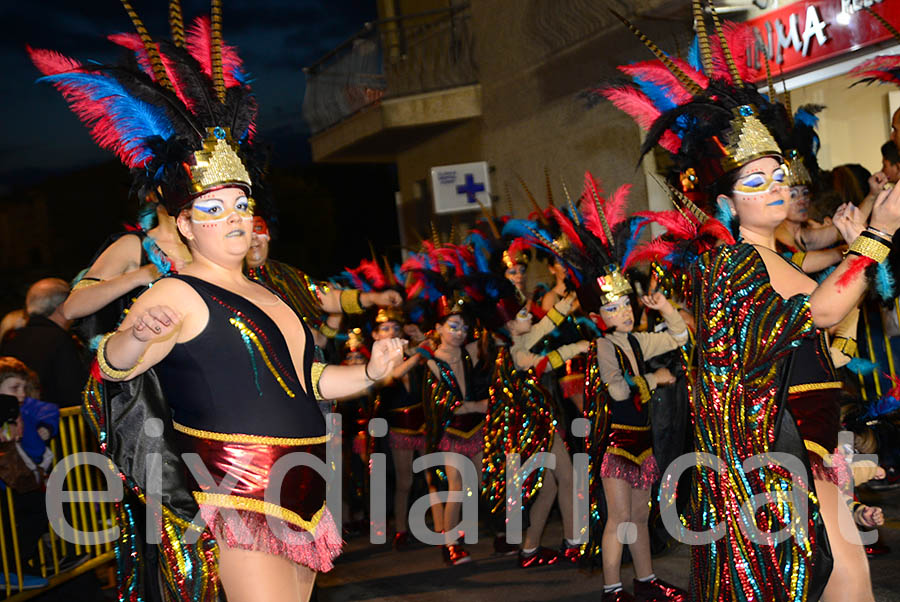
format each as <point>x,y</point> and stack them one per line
<point>236,364</point>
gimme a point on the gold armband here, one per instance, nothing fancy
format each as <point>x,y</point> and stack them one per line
<point>797,258</point>
<point>555,359</point>
<point>328,331</point>
<point>105,368</point>
<point>316,373</point>
<point>871,247</point>
<point>845,345</point>
<point>643,388</point>
<point>555,317</point>
<point>350,302</point>
<point>86,282</point>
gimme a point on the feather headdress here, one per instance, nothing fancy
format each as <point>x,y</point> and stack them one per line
<point>179,114</point>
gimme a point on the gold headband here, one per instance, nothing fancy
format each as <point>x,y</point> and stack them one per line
<point>389,314</point>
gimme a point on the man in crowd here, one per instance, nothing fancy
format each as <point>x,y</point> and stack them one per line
<point>46,345</point>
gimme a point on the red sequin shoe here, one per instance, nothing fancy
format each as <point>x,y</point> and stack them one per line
<point>503,548</point>
<point>540,557</point>
<point>455,554</point>
<point>401,540</point>
<point>658,590</point>
<point>619,596</point>
<point>569,553</point>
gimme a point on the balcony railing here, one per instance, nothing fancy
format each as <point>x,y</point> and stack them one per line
<point>394,57</point>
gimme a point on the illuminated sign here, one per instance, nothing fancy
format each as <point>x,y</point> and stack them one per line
<point>810,31</point>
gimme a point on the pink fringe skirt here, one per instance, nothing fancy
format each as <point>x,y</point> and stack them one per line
<point>402,441</point>
<point>470,447</point>
<point>248,530</point>
<point>641,476</point>
<point>838,473</point>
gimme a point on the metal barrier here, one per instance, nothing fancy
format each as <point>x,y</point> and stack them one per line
<point>404,55</point>
<point>85,514</point>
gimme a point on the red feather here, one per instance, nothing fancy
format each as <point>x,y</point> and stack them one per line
<point>133,42</point>
<point>716,230</point>
<point>198,42</point>
<point>670,141</point>
<point>857,266</point>
<point>518,245</point>
<point>698,76</point>
<point>654,250</point>
<point>615,207</point>
<point>673,221</point>
<point>50,62</point>
<point>372,273</point>
<point>656,73</point>
<point>567,228</point>
<point>633,102</point>
<point>592,195</point>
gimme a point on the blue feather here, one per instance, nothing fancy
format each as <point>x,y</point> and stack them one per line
<point>882,407</point>
<point>884,282</point>
<point>635,224</point>
<point>587,323</point>
<point>660,96</point>
<point>156,256</point>
<point>860,365</point>
<point>134,120</point>
<point>804,117</point>
<point>694,55</point>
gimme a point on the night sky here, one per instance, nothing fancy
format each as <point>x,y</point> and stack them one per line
<point>276,39</point>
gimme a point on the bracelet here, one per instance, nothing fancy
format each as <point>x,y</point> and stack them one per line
<point>350,301</point>
<point>316,375</point>
<point>556,316</point>
<point>867,245</point>
<point>86,282</point>
<point>845,345</point>
<point>108,370</point>
<point>884,235</point>
<point>367,373</point>
<point>328,331</point>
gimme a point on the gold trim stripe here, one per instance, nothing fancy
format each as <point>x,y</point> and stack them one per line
<point>249,439</point>
<point>555,316</point>
<point>636,459</point>
<point>629,427</point>
<point>816,449</point>
<point>253,505</point>
<point>465,435</point>
<point>804,388</point>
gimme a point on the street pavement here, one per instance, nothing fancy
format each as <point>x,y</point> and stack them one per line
<point>376,572</point>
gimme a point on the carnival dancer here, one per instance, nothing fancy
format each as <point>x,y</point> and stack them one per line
<point>456,398</point>
<point>233,361</point>
<point>523,418</point>
<point>618,388</point>
<point>759,331</point>
<point>400,400</point>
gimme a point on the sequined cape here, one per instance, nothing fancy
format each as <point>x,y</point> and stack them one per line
<point>745,331</point>
<point>521,419</point>
<point>442,395</point>
<point>296,288</point>
<point>596,411</point>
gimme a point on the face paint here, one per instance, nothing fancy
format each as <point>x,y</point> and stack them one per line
<point>209,211</point>
<point>758,183</point>
<point>260,228</point>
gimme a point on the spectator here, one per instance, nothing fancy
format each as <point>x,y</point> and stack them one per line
<point>13,320</point>
<point>890,161</point>
<point>46,345</point>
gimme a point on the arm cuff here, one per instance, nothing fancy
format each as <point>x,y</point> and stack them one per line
<point>845,345</point>
<point>316,372</point>
<point>86,282</point>
<point>555,359</point>
<point>350,302</point>
<point>328,331</point>
<point>797,258</point>
<point>555,317</point>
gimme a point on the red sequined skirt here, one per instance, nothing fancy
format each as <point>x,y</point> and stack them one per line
<point>293,522</point>
<point>817,412</point>
<point>629,456</point>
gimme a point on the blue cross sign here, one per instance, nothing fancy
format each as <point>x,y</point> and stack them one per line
<point>470,188</point>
